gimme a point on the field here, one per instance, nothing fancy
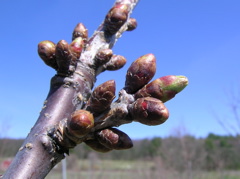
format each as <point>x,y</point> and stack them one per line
<point>108,169</point>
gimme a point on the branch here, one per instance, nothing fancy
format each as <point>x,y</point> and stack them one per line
<point>39,153</point>
<point>73,113</point>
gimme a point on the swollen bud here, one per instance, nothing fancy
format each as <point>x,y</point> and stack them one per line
<point>171,85</point>
<point>63,56</point>
<point>114,139</point>
<point>97,146</point>
<point>46,50</point>
<point>102,97</point>
<point>131,24</point>
<point>149,111</point>
<point>164,88</point>
<point>80,123</point>
<point>103,56</point>
<point>115,18</point>
<point>80,31</point>
<point>115,63</point>
<point>76,48</point>
<point>140,73</point>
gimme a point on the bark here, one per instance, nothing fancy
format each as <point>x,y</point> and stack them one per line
<point>40,151</point>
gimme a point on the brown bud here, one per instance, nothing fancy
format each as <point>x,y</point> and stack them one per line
<point>76,48</point>
<point>80,31</point>
<point>149,111</point>
<point>103,56</point>
<point>63,56</point>
<point>115,63</point>
<point>131,24</point>
<point>97,146</point>
<point>114,139</point>
<point>46,50</point>
<point>102,97</point>
<point>80,123</point>
<point>115,18</point>
<point>140,73</point>
<point>164,88</point>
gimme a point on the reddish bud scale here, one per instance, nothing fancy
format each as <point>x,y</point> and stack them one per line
<point>149,111</point>
<point>103,56</point>
<point>140,73</point>
<point>46,50</point>
<point>80,31</point>
<point>102,97</point>
<point>114,139</point>
<point>115,18</point>
<point>131,24</point>
<point>80,123</point>
<point>115,63</point>
<point>76,48</point>
<point>97,146</point>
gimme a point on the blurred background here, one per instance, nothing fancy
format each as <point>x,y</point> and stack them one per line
<point>197,39</point>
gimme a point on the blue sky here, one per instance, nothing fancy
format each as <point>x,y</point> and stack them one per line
<point>199,39</point>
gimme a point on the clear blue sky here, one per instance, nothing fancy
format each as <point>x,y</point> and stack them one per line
<point>199,39</point>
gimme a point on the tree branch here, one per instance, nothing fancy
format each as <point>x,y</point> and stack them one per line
<point>39,152</point>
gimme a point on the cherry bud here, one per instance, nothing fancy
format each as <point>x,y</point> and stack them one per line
<point>131,24</point>
<point>46,50</point>
<point>80,31</point>
<point>63,56</point>
<point>164,88</point>
<point>114,139</point>
<point>97,146</point>
<point>80,123</point>
<point>115,63</point>
<point>140,73</point>
<point>102,96</point>
<point>103,56</point>
<point>149,111</point>
<point>115,18</point>
<point>76,48</point>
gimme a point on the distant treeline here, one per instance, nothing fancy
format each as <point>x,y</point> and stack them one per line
<point>179,153</point>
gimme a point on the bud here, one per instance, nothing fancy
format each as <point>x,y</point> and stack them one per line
<point>80,123</point>
<point>102,97</point>
<point>103,56</point>
<point>164,88</point>
<point>76,48</point>
<point>114,139</point>
<point>97,146</point>
<point>115,18</point>
<point>63,56</point>
<point>115,63</point>
<point>171,85</point>
<point>131,24</point>
<point>46,50</point>
<point>149,111</point>
<point>140,73</point>
<point>80,31</point>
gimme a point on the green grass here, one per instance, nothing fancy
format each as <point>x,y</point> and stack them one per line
<point>107,169</point>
